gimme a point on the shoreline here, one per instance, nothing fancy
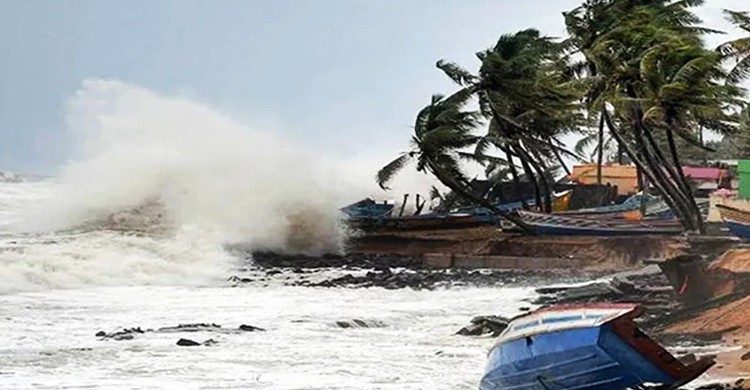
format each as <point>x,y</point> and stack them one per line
<point>608,269</point>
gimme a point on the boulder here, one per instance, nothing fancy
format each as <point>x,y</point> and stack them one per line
<point>250,328</point>
<point>187,343</point>
<point>483,325</point>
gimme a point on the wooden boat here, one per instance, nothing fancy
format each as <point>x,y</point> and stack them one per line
<point>585,347</point>
<point>737,220</point>
<point>615,210</point>
<point>558,225</point>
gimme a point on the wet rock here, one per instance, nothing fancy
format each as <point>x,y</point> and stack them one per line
<point>361,261</point>
<point>125,334</point>
<point>187,343</point>
<point>199,327</point>
<point>484,325</point>
<point>250,328</point>
<point>357,323</point>
<point>129,334</point>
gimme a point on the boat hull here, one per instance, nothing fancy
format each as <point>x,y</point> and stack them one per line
<point>738,229</point>
<point>584,347</point>
<point>593,358</point>
<point>736,220</point>
<point>557,230</point>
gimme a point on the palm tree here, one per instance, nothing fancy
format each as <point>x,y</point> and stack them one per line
<point>739,49</point>
<point>525,94</point>
<point>585,25</point>
<point>629,71</point>
<point>443,130</point>
<point>680,92</point>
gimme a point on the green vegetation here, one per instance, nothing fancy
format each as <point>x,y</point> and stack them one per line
<point>633,77</point>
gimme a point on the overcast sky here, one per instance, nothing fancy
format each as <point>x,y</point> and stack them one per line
<point>343,76</point>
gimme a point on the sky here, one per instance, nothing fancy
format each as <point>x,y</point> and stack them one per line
<point>344,77</point>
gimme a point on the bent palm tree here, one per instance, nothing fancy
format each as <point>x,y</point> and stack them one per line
<point>441,132</point>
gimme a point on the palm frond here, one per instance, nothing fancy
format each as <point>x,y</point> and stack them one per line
<point>389,171</point>
<point>456,73</point>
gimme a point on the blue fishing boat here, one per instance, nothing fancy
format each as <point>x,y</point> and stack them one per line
<point>630,204</point>
<point>558,225</point>
<point>583,347</point>
<point>368,208</point>
<point>738,221</point>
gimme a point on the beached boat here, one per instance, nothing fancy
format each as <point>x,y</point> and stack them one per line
<point>615,210</point>
<point>738,221</point>
<point>368,208</point>
<point>558,225</point>
<point>584,347</point>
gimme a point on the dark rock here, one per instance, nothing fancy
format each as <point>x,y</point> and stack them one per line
<point>100,333</point>
<point>357,323</point>
<point>483,325</point>
<point>187,343</point>
<point>250,328</point>
<point>199,327</point>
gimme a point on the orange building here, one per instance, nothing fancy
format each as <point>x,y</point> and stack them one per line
<point>622,176</point>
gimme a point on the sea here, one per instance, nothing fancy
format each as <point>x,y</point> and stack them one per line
<point>133,230</point>
<point>136,229</point>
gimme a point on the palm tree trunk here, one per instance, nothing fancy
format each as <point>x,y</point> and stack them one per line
<point>638,161</point>
<point>683,182</point>
<point>643,186</point>
<point>644,138</point>
<point>559,158</point>
<point>532,179</point>
<point>600,152</point>
<point>676,178</point>
<point>534,161</point>
<point>514,175</point>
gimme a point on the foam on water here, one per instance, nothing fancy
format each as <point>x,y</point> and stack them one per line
<point>49,341</point>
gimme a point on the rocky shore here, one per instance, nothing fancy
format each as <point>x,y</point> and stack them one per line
<point>647,286</point>
<point>390,272</point>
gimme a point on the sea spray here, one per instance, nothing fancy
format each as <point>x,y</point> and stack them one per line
<point>207,170</point>
<point>158,185</point>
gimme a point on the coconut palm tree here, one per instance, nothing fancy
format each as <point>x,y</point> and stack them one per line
<point>442,132</point>
<point>739,49</point>
<point>525,94</point>
<point>680,91</point>
<point>621,56</point>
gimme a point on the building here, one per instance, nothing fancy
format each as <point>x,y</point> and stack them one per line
<point>622,176</point>
<point>707,179</point>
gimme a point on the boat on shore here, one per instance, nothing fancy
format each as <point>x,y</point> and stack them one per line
<point>585,347</point>
<point>737,220</point>
<point>558,225</point>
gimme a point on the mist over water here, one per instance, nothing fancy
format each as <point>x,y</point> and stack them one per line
<point>183,176</point>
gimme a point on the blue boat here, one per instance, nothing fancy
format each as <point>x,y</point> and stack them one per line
<point>738,221</point>
<point>368,208</point>
<point>630,204</point>
<point>558,225</point>
<point>583,347</point>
